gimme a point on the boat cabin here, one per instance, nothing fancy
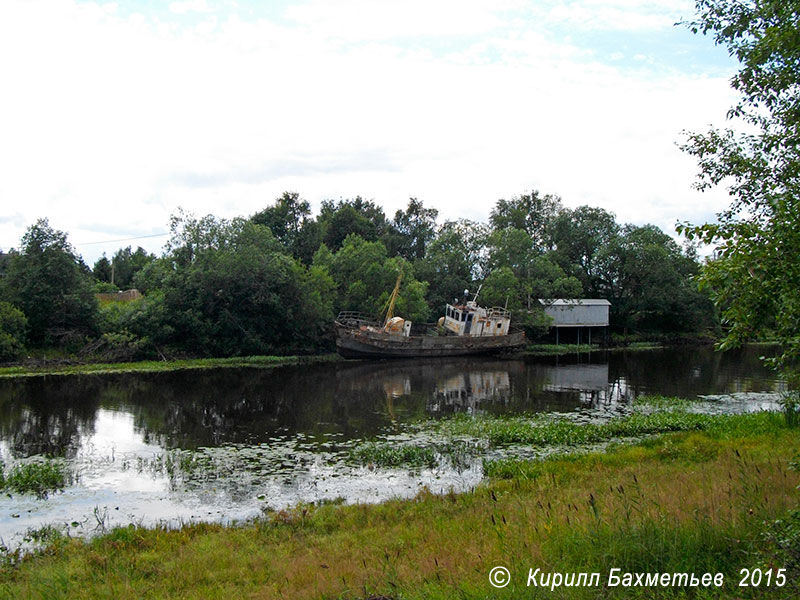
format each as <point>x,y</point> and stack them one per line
<point>472,320</point>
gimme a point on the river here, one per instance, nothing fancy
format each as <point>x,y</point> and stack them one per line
<point>228,444</point>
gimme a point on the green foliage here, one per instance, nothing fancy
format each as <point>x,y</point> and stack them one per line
<point>755,272</point>
<point>13,326</point>
<point>126,264</point>
<point>240,297</point>
<point>358,216</point>
<point>582,237</point>
<point>40,477</point>
<point>272,283</point>
<point>502,288</point>
<point>520,275</point>
<point>545,431</point>
<point>48,282</point>
<point>288,220</point>
<point>394,455</point>
<point>453,261</point>
<point>412,230</point>
<point>790,404</point>
<point>649,283</point>
<point>102,271</point>
<point>105,287</point>
<point>365,277</point>
<point>532,213</point>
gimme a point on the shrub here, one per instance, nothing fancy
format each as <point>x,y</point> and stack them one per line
<point>13,327</point>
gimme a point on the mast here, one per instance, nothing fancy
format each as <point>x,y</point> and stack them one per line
<point>393,298</point>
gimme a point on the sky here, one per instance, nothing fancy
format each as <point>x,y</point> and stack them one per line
<point>114,115</point>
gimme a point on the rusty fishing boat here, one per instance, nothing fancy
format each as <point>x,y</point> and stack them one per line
<point>465,329</point>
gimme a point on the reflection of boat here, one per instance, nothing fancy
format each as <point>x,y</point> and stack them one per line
<point>466,329</point>
<point>467,389</point>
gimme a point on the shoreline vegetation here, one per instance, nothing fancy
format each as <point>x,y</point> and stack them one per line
<point>65,364</point>
<point>716,498</point>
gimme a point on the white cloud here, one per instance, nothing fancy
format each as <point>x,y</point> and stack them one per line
<point>359,20</point>
<point>111,122</point>
<point>189,6</point>
<point>619,15</point>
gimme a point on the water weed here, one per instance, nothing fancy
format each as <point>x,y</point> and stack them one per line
<point>40,476</point>
<point>395,455</point>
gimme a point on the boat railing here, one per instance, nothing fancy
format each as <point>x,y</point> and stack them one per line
<point>497,311</point>
<point>352,318</point>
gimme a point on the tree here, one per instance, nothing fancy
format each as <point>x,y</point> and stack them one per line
<point>531,212</point>
<point>365,277</point>
<point>754,274</point>
<point>286,220</point>
<point>233,290</point>
<point>580,237</point>
<point>361,217</point>
<point>123,266</point>
<point>453,262</point>
<point>412,230</point>
<point>102,269</point>
<point>649,284</point>
<point>50,284</point>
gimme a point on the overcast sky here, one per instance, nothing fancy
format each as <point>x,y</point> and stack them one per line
<point>113,115</point>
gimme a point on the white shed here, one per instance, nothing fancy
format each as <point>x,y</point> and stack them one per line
<point>577,312</point>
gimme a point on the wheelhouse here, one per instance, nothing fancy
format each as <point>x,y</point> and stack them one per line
<point>472,320</point>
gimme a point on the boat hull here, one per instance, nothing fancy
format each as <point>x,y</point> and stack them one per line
<point>362,343</point>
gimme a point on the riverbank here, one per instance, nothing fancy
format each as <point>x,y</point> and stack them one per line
<point>691,502</point>
<point>620,343</point>
<point>73,367</point>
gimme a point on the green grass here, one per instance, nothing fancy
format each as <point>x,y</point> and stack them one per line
<point>159,366</point>
<point>562,349</point>
<point>559,349</point>
<point>691,501</point>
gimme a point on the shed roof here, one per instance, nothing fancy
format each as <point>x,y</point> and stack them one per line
<point>575,302</point>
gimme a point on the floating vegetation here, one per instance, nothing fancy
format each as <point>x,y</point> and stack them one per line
<point>662,402</point>
<point>38,475</point>
<point>387,454</point>
<point>553,431</point>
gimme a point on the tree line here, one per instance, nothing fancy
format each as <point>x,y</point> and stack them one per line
<point>272,283</point>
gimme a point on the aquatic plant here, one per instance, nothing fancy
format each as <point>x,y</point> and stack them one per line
<point>385,454</point>
<point>39,476</point>
<point>539,430</point>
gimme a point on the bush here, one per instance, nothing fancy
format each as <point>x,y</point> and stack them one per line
<point>13,327</point>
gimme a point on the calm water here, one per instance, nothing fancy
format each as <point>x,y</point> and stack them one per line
<point>258,438</point>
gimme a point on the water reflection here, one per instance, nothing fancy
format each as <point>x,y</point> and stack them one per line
<point>191,409</point>
<point>275,437</point>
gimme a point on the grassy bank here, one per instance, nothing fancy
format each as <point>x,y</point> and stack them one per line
<point>60,368</point>
<point>700,501</point>
<point>562,349</point>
